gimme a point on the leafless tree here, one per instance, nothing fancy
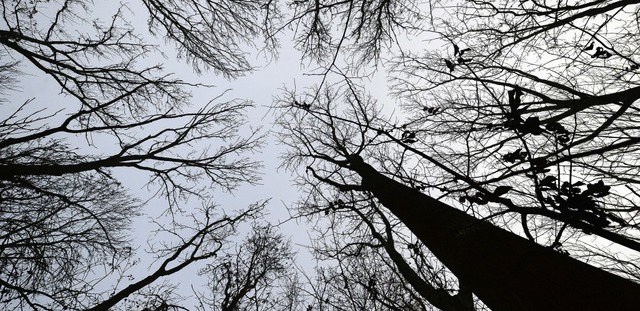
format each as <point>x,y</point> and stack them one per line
<point>209,238</point>
<point>65,209</point>
<point>379,263</point>
<point>525,119</point>
<point>532,117</point>
<point>332,136</point>
<point>254,276</point>
<point>352,231</point>
<point>217,34</point>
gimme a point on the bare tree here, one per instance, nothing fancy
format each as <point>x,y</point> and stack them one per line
<point>485,259</point>
<point>535,121</point>
<point>379,263</point>
<point>254,276</point>
<point>208,239</point>
<point>65,210</point>
<point>351,229</point>
<point>217,34</point>
<point>524,119</point>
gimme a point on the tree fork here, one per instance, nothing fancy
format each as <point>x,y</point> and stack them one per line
<point>506,271</point>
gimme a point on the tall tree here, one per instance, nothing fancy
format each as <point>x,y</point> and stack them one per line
<point>379,266</point>
<point>535,121</point>
<point>524,120</point>
<point>505,271</point>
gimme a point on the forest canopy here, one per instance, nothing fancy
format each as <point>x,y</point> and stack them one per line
<point>520,114</point>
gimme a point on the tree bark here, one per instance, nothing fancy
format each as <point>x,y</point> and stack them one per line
<point>505,271</point>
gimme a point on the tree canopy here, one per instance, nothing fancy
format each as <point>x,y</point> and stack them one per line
<point>520,114</point>
<point>66,213</point>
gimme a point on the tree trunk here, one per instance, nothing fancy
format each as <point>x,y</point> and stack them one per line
<point>505,271</point>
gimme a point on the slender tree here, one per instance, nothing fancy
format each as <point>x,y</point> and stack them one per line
<point>254,276</point>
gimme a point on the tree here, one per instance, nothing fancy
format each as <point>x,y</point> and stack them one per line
<point>255,276</point>
<point>494,264</point>
<point>363,239</point>
<point>378,265</point>
<point>525,117</point>
<point>524,120</point>
<point>547,129</point>
<point>582,68</point>
<point>209,241</point>
<point>65,210</point>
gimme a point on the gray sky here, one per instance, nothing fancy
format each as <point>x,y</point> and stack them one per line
<point>259,87</point>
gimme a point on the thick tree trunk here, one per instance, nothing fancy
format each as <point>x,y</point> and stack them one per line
<point>505,271</point>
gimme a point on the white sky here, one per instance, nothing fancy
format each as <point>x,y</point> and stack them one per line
<point>259,87</point>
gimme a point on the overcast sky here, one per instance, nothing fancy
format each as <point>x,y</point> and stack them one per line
<point>260,87</point>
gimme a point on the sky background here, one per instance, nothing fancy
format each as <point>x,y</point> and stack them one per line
<point>271,77</point>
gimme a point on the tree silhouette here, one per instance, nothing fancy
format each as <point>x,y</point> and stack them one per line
<point>380,266</point>
<point>538,112</point>
<point>519,119</point>
<point>534,124</point>
<point>360,236</point>
<point>255,277</point>
<point>65,209</point>
<point>502,269</point>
